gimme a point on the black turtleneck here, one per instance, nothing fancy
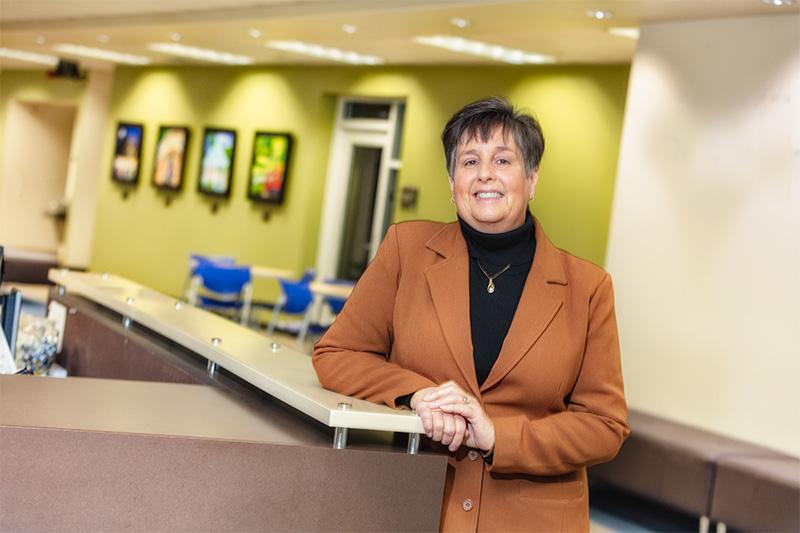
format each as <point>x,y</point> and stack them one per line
<point>491,314</point>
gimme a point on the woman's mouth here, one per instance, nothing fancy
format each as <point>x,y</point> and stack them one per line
<point>487,195</point>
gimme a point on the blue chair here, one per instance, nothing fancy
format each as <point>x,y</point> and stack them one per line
<point>196,260</point>
<point>335,303</point>
<point>295,298</point>
<point>223,289</point>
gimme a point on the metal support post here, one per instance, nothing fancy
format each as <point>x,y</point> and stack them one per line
<point>413,443</point>
<point>340,434</point>
<point>340,438</point>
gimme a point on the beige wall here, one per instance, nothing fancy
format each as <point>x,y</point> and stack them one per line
<point>19,148</point>
<point>85,171</point>
<point>704,242</point>
<point>34,174</point>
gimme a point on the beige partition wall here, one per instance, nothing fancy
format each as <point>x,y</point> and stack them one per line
<point>705,237</point>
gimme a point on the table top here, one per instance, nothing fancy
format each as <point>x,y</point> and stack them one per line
<point>146,407</point>
<point>278,370</point>
<point>258,271</point>
<point>335,290</point>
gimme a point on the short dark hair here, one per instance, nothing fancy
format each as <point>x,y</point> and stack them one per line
<point>478,120</point>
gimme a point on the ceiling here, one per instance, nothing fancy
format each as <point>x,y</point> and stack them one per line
<point>385,28</point>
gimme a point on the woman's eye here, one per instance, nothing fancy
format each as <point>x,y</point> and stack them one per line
<point>470,162</point>
<point>502,161</point>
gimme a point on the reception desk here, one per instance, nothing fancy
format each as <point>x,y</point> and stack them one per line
<point>186,421</point>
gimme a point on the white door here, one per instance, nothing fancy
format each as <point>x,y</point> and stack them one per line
<point>358,193</point>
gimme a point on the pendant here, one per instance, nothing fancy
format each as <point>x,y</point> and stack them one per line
<point>490,287</point>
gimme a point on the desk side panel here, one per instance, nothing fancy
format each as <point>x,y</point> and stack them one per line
<point>90,481</point>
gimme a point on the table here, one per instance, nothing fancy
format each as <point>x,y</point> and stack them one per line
<point>258,271</point>
<point>321,290</point>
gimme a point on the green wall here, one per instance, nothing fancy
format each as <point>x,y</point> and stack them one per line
<point>140,237</point>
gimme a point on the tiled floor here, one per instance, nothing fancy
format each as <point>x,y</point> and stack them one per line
<point>616,511</point>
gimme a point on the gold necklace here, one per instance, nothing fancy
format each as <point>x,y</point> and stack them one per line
<point>490,286</point>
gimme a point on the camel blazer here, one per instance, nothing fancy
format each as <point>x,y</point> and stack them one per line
<point>555,393</point>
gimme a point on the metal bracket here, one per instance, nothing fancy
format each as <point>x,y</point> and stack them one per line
<point>340,434</point>
<point>413,443</point>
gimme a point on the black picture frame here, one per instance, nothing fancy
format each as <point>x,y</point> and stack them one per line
<point>126,165</point>
<point>215,175</point>
<point>172,145</point>
<point>268,172</point>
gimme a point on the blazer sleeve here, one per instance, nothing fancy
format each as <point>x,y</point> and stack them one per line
<point>352,356</point>
<point>594,425</point>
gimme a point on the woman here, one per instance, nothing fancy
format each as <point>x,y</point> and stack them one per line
<point>505,346</point>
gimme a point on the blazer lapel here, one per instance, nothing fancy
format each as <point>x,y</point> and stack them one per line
<point>448,281</point>
<point>540,302</point>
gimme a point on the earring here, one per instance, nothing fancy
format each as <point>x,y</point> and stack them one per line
<point>452,200</point>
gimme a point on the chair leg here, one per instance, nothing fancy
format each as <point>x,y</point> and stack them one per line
<point>247,301</point>
<point>273,320</point>
<point>194,288</point>
<point>704,525</point>
<point>301,335</point>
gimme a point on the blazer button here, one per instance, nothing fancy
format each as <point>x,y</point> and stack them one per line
<point>467,505</point>
<point>473,455</point>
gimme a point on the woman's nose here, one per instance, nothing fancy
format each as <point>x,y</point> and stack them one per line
<point>485,171</point>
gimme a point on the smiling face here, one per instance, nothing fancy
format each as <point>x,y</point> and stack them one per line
<point>489,184</point>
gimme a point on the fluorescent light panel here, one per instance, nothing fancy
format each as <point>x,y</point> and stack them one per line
<point>203,54</point>
<point>630,33</point>
<point>599,14</point>
<point>30,57</point>
<point>323,52</point>
<point>97,53</point>
<point>491,51</point>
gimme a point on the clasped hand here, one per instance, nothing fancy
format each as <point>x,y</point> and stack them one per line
<point>450,419</point>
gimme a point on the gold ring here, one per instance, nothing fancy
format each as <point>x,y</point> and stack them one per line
<point>466,399</point>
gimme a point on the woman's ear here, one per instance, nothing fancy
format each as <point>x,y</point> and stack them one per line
<point>534,180</point>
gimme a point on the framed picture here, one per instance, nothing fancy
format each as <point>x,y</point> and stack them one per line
<point>170,162</point>
<point>269,166</point>
<point>216,161</point>
<point>127,152</point>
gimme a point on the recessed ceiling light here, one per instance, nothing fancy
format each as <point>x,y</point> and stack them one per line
<point>104,38</point>
<point>105,55</point>
<point>203,54</point>
<point>630,33</point>
<point>254,33</point>
<point>599,14</point>
<point>175,36</point>
<point>778,3</point>
<point>40,39</point>
<point>491,51</point>
<point>30,57</point>
<point>349,28</point>
<point>324,52</point>
<point>458,22</point>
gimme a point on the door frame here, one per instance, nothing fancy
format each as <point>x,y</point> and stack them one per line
<point>349,132</point>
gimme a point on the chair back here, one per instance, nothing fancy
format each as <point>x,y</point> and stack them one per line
<point>296,295</point>
<point>223,279</point>
<point>197,260</point>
